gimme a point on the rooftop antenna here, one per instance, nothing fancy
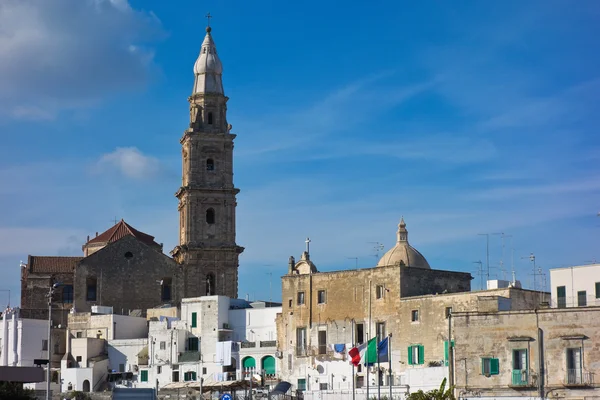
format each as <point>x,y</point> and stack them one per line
<point>531,258</point>
<point>378,247</point>
<point>355,261</point>
<point>115,221</point>
<point>502,270</point>
<point>270,282</point>
<point>487,252</point>
<point>480,273</point>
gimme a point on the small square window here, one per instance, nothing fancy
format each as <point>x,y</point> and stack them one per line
<point>448,312</point>
<point>379,291</point>
<point>322,386</point>
<point>414,315</point>
<point>490,366</point>
<point>321,297</point>
<point>300,298</point>
<point>44,345</point>
<point>78,358</point>
<point>159,369</point>
<point>290,302</point>
<point>163,345</point>
<point>79,335</point>
<point>203,370</point>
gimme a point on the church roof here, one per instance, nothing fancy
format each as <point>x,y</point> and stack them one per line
<point>208,68</point>
<point>120,230</point>
<point>403,253</point>
<point>52,264</point>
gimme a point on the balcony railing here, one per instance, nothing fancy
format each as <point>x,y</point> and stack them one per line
<point>520,377</point>
<point>268,343</point>
<point>248,345</point>
<point>577,377</point>
<point>301,351</point>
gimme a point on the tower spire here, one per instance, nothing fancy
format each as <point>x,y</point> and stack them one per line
<point>208,68</point>
<point>402,231</point>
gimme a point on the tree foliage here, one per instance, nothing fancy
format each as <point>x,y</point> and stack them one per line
<point>436,394</point>
<point>15,391</point>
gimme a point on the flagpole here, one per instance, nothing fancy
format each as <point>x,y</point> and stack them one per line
<point>390,361</point>
<point>353,375</point>
<point>368,338</point>
<point>378,374</point>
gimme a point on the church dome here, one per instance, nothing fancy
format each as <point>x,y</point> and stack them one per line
<point>208,68</point>
<point>403,253</point>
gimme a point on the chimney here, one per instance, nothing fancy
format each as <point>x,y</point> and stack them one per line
<point>96,234</point>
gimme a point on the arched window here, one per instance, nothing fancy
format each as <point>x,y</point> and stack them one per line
<point>210,118</point>
<point>210,284</point>
<point>210,216</point>
<point>210,164</point>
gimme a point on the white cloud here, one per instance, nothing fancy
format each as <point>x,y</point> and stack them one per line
<point>39,240</point>
<point>130,162</point>
<point>63,54</point>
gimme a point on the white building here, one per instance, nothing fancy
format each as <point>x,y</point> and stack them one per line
<point>576,286</point>
<point>24,340</point>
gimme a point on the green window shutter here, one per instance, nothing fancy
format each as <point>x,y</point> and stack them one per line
<point>421,354</point>
<point>410,358</point>
<point>483,366</point>
<point>193,375</point>
<point>494,366</point>
<point>144,376</point>
<point>598,290</point>
<point>446,352</point>
<point>194,319</point>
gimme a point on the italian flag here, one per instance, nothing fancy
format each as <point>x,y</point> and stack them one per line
<point>369,357</point>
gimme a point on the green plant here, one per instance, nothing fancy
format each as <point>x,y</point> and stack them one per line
<point>15,391</point>
<point>436,394</point>
<point>77,395</point>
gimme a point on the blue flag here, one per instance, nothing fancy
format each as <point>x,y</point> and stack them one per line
<point>382,350</point>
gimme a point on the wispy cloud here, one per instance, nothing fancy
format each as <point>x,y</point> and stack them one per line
<point>129,162</point>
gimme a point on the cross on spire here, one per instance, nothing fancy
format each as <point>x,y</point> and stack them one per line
<point>307,241</point>
<point>208,17</point>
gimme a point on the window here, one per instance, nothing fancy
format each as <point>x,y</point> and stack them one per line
<point>210,284</point>
<point>379,291</point>
<point>44,345</point>
<point>322,342</point>
<point>598,290</point>
<point>448,312</point>
<point>165,289</point>
<point>414,315</point>
<point>574,359</point>
<point>56,348</point>
<point>322,386</point>
<point>446,355</point>
<point>159,369</point>
<point>78,358</point>
<point>321,297</point>
<point>210,216</point>
<point>91,289</point>
<point>121,367</point>
<point>302,384</point>
<point>561,296</point>
<point>79,335</point>
<point>67,294</point>
<point>416,354</point>
<point>300,298</point>
<point>519,359</point>
<point>360,333</point>
<point>189,376</point>
<point>290,301</point>
<point>210,164</point>
<point>581,298</point>
<point>380,331</point>
<point>163,345</point>
<point>193,344</point>
<point>300,341</point>
<point>203,370</point>
<point>210,118</point>
<point>490,366</point>
<point>194,319</point>
<point>144,375</point>
<point>175,376</point>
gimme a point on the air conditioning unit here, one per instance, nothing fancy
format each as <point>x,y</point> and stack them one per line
<point>135,368</point>
<point>279,354</point>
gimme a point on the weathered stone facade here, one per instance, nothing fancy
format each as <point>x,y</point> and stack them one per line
<point>207,197</point>
<point>127,274</point>
<point>548,353</point>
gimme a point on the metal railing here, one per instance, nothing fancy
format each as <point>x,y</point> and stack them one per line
<point>301,351</point>
<point>579,377</point>
<point>520,377</point>
<point>268,343</point>
<point>248,345</point>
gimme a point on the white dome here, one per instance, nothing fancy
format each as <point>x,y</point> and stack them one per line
<point>403,253</point>
<point>208,68</point>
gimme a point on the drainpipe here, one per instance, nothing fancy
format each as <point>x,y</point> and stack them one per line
<point>15,333</point>
<point>540,360</point>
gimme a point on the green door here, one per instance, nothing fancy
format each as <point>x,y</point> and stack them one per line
<point>268,364</point>
<point>249,362</point>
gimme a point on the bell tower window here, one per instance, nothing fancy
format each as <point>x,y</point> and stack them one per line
<point>210,118</point>
<point>210,216</point>
<point>210,284</point>
<point>210,164</point>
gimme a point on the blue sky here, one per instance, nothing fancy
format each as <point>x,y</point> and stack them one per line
<point>465,117</point>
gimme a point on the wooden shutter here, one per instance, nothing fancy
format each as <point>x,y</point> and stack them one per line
<point>194,319</point>
<point>410,356</point>
<point>421,354</point>
<point>494,366</point>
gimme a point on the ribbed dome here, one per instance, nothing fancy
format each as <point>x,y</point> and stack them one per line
<point>208,68</point>
<point>403,253</point>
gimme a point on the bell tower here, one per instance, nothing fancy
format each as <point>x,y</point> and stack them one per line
<point>207,197</point>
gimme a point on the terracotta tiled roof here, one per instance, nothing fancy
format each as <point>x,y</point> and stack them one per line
<point>52,264</point>
<point>121,230</point>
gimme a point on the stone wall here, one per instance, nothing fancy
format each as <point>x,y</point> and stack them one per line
<point>128,274</point>
<point>418,281</point>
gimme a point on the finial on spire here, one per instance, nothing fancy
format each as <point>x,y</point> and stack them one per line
<point>208,17</point>
<point>402,232</point>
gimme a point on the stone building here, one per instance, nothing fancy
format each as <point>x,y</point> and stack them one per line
<point>401,296</point>
<point>207,196</point>
<point>541,353</point>
<point>576,286</point>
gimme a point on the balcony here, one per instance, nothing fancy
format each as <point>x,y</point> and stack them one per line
<point>520,378</point>
<point>248,345</point>
<point>189,356</point>
<point>577,377</point>
<point>268,343</point>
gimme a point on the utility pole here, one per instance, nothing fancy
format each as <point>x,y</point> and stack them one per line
<point>48,370</point>
<point>450,352</point>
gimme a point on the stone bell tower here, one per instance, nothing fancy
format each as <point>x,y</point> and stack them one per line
<point>207,197</point>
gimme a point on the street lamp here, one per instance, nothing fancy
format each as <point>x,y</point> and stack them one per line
<point>50,294</point>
